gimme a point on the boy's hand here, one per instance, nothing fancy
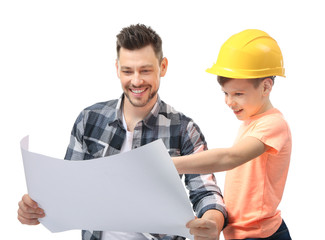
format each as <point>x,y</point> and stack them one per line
<point>28,211</point>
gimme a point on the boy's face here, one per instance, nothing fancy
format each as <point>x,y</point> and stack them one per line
<point>245,99</point>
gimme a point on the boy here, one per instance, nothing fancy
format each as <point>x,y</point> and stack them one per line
<point>258,162</point>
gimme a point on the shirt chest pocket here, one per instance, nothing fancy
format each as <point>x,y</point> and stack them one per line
<point>94,149</point>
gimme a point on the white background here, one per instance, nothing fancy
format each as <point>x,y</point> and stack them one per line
<point>57,57</point>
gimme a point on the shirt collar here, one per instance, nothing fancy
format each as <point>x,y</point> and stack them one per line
<point>149,120</point>
<point>118,117</point>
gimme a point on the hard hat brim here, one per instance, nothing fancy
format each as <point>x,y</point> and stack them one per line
<point>246,74</point>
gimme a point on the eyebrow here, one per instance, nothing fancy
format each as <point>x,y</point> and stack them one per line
<point>143,66</point>
<point>233,90</point>
<point>125,68</point>
<point>147,66</point>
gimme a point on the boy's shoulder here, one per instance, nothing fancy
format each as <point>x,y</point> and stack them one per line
<point>273,121</point>
<point>273,116</point>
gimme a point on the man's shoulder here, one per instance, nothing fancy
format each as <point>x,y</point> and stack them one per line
<point>103,106</point>
<point>100,112</point>
<point>171,113</point>
<point>185,135</point>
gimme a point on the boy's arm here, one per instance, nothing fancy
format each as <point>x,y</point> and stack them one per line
<point>221,159</point>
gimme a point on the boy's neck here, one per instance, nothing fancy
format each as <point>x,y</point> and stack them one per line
<point>266,107</point>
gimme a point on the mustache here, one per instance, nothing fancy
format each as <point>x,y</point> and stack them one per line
<point>141,86</point>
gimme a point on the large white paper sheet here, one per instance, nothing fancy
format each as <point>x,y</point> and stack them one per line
<point>136,191</point>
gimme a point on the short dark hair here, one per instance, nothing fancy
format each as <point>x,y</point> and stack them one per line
<point>139,36</point>
<point>256,81</point>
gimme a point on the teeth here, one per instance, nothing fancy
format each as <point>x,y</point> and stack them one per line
<point>137,91</point>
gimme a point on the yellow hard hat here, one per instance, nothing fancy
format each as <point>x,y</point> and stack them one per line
<point>249,54</point>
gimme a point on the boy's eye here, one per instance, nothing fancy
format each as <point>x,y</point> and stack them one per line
<point>239,94</point>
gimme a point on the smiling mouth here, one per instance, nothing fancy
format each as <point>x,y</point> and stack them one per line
<point>238,111</point>
<point>138,91</point>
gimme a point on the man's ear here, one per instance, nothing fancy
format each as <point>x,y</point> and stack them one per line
<point>267,86</point>
<point>163,67</point>
<point>117,70</point>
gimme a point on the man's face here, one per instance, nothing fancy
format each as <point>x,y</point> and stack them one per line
<point>139,72</point>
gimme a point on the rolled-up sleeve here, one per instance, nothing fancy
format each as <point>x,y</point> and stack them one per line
<point>203,189</point>
<point>204,193</point>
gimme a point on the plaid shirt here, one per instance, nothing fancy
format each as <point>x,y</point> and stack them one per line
<point>98,132</point>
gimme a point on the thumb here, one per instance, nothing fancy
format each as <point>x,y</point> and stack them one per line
<point>188,223</point>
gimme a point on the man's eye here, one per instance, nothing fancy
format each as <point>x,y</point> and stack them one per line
<point>126,72</point>
<point>239,94</point>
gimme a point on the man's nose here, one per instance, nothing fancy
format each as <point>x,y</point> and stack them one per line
<point>137,80</point>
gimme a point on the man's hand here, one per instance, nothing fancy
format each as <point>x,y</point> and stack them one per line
<point>28,211</point>
<point>208,227</point>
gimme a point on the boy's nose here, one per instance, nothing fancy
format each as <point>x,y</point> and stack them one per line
<point>229,101</point>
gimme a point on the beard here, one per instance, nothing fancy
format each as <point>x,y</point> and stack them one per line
<point>141,102</point>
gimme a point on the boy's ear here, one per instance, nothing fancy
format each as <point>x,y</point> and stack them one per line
<point>267,86</point>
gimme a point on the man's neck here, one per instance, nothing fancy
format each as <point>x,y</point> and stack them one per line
<point>133,114</point>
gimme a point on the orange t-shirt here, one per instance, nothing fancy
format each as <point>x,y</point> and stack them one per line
<point>254,190</point>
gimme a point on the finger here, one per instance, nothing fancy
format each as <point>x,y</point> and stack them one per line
<point>201,238</point>
<point>200,223</point>
<point>29,202</point>
<point>28,221</point>
<point>204,234</point>
<point>187,224</point>
<point>27,209</point>
<point>199,232</point>
<point>203,228</point>
<point>29,215</point>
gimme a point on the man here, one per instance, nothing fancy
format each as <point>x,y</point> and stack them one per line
<point>137,118</point>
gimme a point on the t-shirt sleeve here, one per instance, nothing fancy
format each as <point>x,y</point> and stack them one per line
<point>272,131</point>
